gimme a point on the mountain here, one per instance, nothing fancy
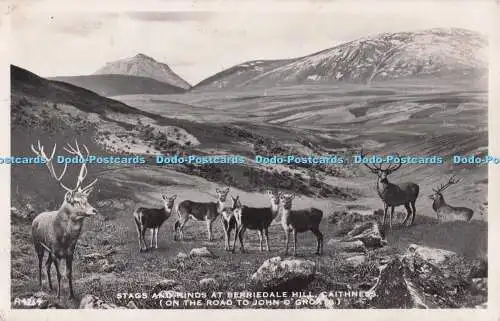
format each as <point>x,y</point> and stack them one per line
<point>439,52</point>
<point>115,85</point>
<point>144,66</point>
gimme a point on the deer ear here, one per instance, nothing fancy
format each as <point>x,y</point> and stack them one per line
<point>173,197</point>
<point>68,196</point>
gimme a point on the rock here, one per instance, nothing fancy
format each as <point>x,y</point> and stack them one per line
<point>131,305</point>
<point>208,284</point>
<point>167,284</point>
<point>340,246</point>
<point>283,275</point>
<point>356,260</point>
<point>367,232</point>
<point>415,281</point>
<point>480,285</point>
<point>432,255</point>
<point>182,256</point>
<point>479,269</point>
<point>108,268</point>
<point>201,252</point>
<point>345,221</point>
<point>90,301</point>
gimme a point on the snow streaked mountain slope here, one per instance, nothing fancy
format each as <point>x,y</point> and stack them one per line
<point>439,52</point>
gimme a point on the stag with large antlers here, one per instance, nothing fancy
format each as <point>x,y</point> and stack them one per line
<point>447,212</point>
<point>57,232</point>
<point>394,195</point>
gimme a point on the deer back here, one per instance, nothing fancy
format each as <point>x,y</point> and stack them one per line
<point>151,217</point>
<point>197,210</point>
<point>398,194</point>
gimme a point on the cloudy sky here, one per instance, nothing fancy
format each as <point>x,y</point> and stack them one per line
<point>198,39</point>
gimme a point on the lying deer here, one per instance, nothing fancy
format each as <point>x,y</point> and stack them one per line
<point>152,218</point>
<point>394,195</point>
<point>300,221</point>
<point>447,212</point>
<point>57,232</point>
<point>198,211</point>
<point>255,218</point>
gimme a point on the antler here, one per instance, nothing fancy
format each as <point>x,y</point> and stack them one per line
<point>393,167</point>
<point>450,182</point>
<point>83,170</point>
<point>374,167</point>
<point>74,151</point>
<point>48,162</point>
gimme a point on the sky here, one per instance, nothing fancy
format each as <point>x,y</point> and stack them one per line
<point>200,38</point>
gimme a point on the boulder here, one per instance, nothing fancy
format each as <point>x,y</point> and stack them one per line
<point>421,279</point>
<point>367,232</point>
<point>430,254</point>
<point>341,246</point>
<point>277,274</point>
<point>208,284</point>
<point>356,260</point>
<point>90,301</point>
<point>201,252</point>
<point>182,256</point>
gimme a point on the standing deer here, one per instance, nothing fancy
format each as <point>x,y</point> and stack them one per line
<point>447,212</point>
<point>152,218</point>
<point>57,232</point>
<point>395,194</point>
<point>300,221</point>
<point>199,211</point>
<point>255,218</point>
<point>229,222</point>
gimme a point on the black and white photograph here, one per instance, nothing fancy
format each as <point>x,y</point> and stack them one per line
<point>301,155</point>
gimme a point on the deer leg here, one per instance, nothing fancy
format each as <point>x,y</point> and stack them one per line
<point>236,233</point>
<point>225,224</point>
<point>287,238</point>
<point>156,237</point>
<point>40,253</point>
<point>390,218</point>
<point>266,234</point>
<point>69,273</point>
<point>408,213</point>
<point>58,273</point>
<point>48,266</point>
<point>240,236</point>
<point>294,242</point>
<point>260,240</point>
<point>414,212</point>
<point>138,227</point>
<point>385,214</point>
<point>152,237</point>
<point>319,240</point>
<point>143,238</point>
<point>209,229</point>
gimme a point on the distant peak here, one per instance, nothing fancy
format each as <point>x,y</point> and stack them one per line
<point>142,56</point>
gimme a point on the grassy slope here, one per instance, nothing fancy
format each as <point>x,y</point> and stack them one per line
<point>125,189</point>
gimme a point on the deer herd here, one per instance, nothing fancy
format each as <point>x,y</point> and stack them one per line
<point>57,232</point>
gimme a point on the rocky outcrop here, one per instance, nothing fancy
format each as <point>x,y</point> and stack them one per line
<point>277,274</point>
<point>201,252</point>
<point>422,278</point>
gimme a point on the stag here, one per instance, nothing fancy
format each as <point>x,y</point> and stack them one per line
<point>447,212</point>
<point>393,195</point>
<point>57,232</point>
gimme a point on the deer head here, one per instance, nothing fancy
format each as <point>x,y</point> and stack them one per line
<point>275,197</point>
<point>381,172</point>
<point>286,200</point>
<point>438,191</point>
<point>168,202</point>
<point>76,198</point>
<point>222,194</point>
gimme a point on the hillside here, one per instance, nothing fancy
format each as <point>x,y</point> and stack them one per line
<point>144,66</point>
<point>432,53</point>
<point>113,85</point>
